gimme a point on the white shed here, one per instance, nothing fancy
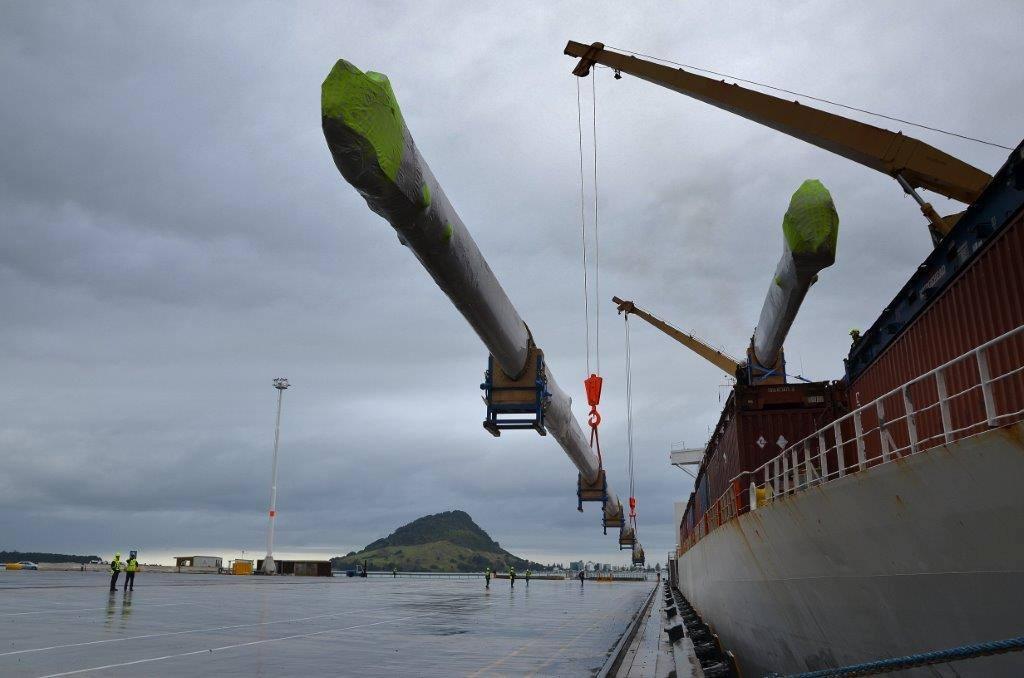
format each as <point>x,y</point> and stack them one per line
<point>199,561</point>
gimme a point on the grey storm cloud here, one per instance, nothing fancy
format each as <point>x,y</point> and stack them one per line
<point>173,234</point>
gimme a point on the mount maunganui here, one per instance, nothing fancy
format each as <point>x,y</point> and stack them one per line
<point>443,542</point>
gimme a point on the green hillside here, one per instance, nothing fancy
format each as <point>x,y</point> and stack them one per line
<point>443,542</point>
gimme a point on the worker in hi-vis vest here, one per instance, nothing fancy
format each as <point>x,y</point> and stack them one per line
<point>512,576</point>
<point>529,573</point>
<point>487,577</point>
<point>115,569</point>
<point>130,569</point>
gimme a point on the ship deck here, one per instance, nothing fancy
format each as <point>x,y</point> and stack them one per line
<point>66,623</point>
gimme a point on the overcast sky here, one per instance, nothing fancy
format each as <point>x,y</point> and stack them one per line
<point>174,234</point>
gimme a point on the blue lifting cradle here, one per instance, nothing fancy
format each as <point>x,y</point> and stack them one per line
<point>508,398</point>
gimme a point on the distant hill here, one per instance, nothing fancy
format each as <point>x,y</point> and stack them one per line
<point>443,542</point>
<point>15,556</point>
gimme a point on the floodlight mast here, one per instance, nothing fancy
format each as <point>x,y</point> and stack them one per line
<point>268,563</point>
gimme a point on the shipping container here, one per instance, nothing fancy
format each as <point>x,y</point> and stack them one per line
<point>969,291</point>
<point>241,567</point>
<point>757,423</point>
<point>300,568</point>
<point>685,527</point>
<point>982,235</point>
<point>760,421</point>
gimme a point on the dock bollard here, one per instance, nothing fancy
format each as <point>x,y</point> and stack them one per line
<point>675,632</point>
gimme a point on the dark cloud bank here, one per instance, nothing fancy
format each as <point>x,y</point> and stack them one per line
<point>173,234</point>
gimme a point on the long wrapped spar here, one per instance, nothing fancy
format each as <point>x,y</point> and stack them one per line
<point>375,152</point>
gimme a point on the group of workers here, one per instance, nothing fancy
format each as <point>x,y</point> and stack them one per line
<point>130,567</point>
<point>511,576</point>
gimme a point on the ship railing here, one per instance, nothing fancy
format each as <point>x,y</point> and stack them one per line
<point>977,391</point>
<point>955,400</point>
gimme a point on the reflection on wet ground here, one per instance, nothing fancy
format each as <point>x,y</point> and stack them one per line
<point>66,623</point>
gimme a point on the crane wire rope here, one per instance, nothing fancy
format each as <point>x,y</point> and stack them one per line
<point>597,241</point>
<point>629,427</point>
<point>592,383</point>
<point>814,98</point>
<point>583,224</point>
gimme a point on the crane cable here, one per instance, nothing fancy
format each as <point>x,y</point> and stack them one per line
<point>597,240</point>
<point>583,225</point>
<point>814,98</point>
<point>593,382</point>
<point>629,428</point>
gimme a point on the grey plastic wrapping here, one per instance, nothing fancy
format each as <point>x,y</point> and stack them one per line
<point>417,208</point>
<point>810,229</point>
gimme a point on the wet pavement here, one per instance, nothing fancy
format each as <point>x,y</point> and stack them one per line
<point>66,623</point>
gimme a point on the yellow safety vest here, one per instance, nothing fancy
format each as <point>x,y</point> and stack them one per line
<point>133,565</point>
<point>115,565</point>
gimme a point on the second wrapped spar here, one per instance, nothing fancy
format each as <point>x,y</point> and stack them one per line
<point>375,152</point>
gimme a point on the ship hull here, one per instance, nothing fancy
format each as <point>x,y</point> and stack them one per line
<point>920,554</point>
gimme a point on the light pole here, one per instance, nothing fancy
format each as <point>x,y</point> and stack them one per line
<point>268,563</point>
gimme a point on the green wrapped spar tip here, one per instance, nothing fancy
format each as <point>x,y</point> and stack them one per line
<point>811,223</point>
<point>365,103</point>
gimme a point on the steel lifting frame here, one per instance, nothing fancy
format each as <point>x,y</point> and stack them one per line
<point>494,423</point>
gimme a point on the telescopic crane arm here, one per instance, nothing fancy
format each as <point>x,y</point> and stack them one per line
<point>724,362</point>
<point>910,161</point>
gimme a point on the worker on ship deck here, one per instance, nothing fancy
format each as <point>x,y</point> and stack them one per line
<point>115,569</point>
<point>512,576</point>
<point>131,567</point>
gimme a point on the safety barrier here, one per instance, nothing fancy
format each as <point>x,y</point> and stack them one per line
<point>953,401</point>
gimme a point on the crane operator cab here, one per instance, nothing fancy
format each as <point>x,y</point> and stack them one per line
<point>516,403</point>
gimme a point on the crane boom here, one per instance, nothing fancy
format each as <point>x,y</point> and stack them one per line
<point>909,160</point>
<point>724,362</point>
